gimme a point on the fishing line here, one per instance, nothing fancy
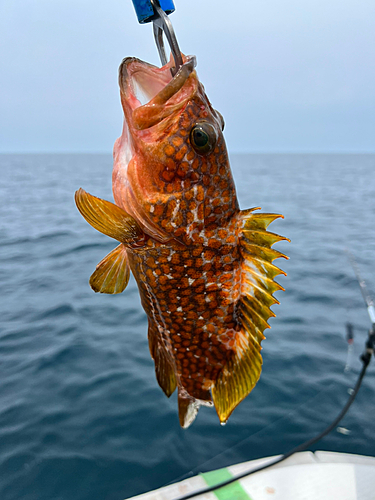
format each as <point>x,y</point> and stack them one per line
<point>289,415</point>
<point>350,341</point>
<point>362,284</point>
<point>365,358</point>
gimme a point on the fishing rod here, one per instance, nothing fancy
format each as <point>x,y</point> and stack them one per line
<point>365,359</point>
<point>362,284</point>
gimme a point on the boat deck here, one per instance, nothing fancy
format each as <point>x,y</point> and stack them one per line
<point>304,476</point>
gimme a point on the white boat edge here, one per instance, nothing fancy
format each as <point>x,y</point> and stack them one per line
<point>322,475</point>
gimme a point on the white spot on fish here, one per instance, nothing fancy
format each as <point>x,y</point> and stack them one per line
<point>195,211</point>
<point>169,258</point>
<point>179,309</point>
<point>175,211</point>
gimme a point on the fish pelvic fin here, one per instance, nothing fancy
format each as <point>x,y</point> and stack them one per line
<point>109,219</point>
<point>164,365</point>
<point>188,408</point>
<point>112,273</point>
<point>242,371</point>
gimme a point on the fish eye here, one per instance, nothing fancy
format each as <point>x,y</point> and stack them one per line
<point>203,138</point>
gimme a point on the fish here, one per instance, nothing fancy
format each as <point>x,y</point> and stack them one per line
<point>204,268</point>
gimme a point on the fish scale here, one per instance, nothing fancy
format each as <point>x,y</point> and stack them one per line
<point>204,268</point>
<point>187,296</point>
<point>202,189</point>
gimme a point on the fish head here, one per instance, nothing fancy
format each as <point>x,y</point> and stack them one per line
<point>171,148</point>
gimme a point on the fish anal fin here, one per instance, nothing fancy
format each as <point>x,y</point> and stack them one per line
<point>109,219</point>
<point>238,377</point>
<point>164,366</point>
<point>187,408</point>
<point>112,273</point>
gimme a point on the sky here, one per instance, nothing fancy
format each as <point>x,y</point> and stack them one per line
<point>288,76</point>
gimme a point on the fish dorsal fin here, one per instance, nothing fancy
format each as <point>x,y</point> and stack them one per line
<point>241,373</point>
<point>112,273</point>
<point>109,219</point>
<point>238,377</point>
<point>164,366</point>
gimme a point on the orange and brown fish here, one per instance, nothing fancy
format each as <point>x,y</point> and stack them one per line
<point>203,267</point>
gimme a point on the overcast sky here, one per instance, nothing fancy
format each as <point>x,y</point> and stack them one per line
<point>288,76</point>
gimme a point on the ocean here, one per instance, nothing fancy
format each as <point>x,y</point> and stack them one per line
<point>81,414</point>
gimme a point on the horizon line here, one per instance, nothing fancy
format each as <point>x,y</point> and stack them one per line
<point>238,152</point>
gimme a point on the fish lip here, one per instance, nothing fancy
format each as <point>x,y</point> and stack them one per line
<point>126,72</point>
<point>155,84</point>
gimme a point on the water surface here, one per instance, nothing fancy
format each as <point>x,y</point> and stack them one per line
<point>81,414</point>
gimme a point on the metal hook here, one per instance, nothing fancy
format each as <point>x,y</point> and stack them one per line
<point>162,24</point>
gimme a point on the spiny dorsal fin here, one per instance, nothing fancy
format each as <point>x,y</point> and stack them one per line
<point>112,273</point>
<point>255,222</point>
<point>164,366</point>
<point>109,219</point>
<point>242,371</point>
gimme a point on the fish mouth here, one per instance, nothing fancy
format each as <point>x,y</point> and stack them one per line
<point>150,94</point>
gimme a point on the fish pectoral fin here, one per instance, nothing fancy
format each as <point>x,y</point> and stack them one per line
<point>164,366</point>
<point>109,219</point>
<point>187,408</point>
<point>112,273</point>
<point>238,377</point>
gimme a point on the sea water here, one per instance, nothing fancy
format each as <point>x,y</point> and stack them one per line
<point>81,414</point>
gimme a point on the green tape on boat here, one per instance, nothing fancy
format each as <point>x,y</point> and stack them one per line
<point>233,491</point>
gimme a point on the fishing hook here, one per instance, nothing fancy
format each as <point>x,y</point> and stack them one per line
<point>162,24</point>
